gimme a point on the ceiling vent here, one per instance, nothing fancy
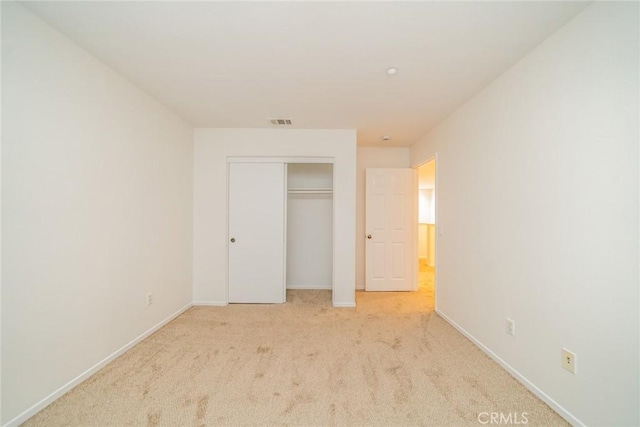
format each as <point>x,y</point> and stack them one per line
<point>281,122</point>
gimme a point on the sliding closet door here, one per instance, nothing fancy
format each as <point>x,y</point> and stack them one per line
<point>257,232</point>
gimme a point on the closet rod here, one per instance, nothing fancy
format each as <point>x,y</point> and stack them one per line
<point>310,190</point>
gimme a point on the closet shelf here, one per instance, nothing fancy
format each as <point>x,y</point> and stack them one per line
<point>310,190</point>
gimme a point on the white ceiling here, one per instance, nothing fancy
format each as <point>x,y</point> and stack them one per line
<point>322,64</point>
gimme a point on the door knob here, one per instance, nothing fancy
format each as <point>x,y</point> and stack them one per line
<point>368,236</point>
<point>233,240</point>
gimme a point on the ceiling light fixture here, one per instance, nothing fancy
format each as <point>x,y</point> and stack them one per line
<point>385,138</point>
<point>392,70</point>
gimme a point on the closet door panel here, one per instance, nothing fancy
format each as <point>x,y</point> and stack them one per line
<point>256,246</point>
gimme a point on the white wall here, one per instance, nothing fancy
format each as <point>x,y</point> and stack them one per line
<point>423,242</point>
<point>309,241</point>
<point>426,206</point>
<point>426,217</point>
<point>97,196</point>
<point>523,235</point>
<point>213,146</point>
<point>310,176</point>
<point>370,157</point>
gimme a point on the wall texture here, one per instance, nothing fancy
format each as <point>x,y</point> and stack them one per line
<point>538,215</point>
<point>214,146</point>
<point>97,211</point>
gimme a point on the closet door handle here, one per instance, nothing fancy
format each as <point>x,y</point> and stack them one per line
<point>233,240</point>
<point>369,236</point>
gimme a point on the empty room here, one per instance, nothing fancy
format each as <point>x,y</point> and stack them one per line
<point>320,213</point>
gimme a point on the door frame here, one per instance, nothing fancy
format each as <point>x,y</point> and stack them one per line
<point>286,160</point>
<point>435,221</point>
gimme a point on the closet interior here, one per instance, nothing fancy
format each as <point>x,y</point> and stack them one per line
<point>309,262</point>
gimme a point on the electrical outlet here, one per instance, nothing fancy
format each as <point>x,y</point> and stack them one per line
<point>511,326</point>
<point>149,298</point>
<point>569,360</point>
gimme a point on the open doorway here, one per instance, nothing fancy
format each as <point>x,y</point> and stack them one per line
<point>427,230</point>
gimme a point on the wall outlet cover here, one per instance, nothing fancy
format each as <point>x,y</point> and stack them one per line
<point>511,326</point>
<point>569,360</point>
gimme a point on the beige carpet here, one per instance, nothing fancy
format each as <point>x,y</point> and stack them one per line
<point>391,361</point>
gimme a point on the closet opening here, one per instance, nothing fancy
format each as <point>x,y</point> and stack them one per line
<point>309,226</point>
<point>281,223</point>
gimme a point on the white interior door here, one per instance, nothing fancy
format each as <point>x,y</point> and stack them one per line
<point>390,223</point>
<point>257,206</point>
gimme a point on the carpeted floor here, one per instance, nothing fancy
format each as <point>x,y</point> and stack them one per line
<point>389,362</point>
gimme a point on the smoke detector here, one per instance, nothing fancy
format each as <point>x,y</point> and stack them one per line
<point>281,122</point>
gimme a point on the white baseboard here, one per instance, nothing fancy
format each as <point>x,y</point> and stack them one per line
<point>517,375</point>
<point>344,304</point>
<point>210,303</point>
<point>86,374</point>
